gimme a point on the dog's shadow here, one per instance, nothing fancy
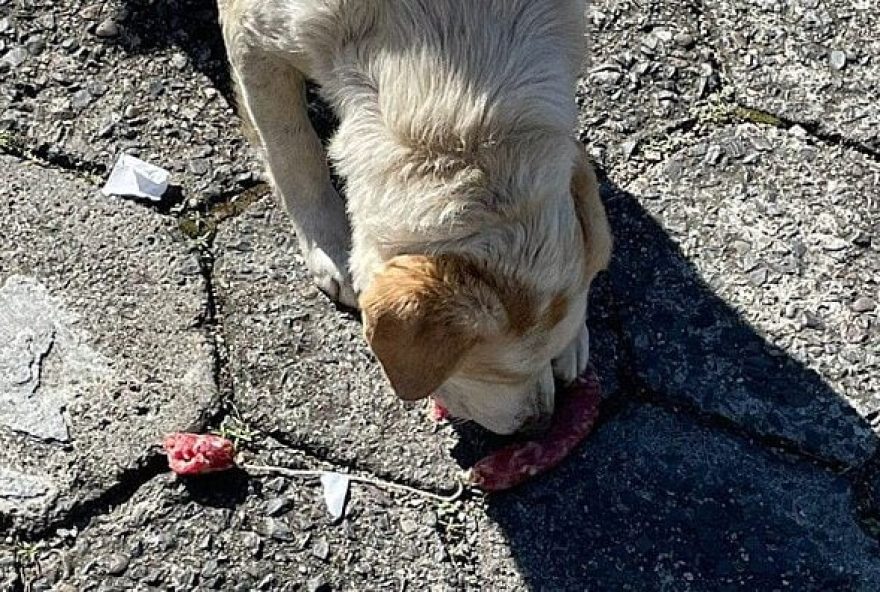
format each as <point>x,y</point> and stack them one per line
<point>192,26</point>
<point>673,491</point>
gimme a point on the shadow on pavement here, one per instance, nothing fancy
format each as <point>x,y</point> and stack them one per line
<point>660,499</point>
<point>193,27</point>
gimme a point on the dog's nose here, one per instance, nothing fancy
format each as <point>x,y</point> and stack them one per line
<point>537,424</point>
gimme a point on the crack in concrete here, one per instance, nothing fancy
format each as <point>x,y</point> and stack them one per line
<point>154,464</point>
<point>46,154</point>
<point>812,128</point>
<point>81,513</point>
<point>861,478</point>
<point>760,116</point>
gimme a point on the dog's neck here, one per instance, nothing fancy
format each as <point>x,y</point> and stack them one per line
<point>502,197</point>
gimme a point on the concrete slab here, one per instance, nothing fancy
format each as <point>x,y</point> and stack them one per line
<point>231,533</point>
<point>648,64</point>
<point>655,501</point>
<point>103,344</point>
<point>301,369</point>
<point>810,62</point>
<point>146,78</point>
<point>739,295</point>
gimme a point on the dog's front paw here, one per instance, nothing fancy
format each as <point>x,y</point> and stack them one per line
<point>324,241</point>
<point>330,273</point>
<point>573,360</point>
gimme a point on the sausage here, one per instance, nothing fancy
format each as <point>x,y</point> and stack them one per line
<point>196,454</point>
<point>515,464</point>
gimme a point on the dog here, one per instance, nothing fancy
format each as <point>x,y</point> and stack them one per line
<point>474,226</point>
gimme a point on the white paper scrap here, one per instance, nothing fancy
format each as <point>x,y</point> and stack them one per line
<point>335,493</point>
<point>132,177</point>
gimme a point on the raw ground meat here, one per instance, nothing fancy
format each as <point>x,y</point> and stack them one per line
<point>438,411</point>
<point>573,420</point>
<point>195,454</point>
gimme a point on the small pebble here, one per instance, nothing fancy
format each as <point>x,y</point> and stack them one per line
<point>107,28</point>
<point>117,564</point>
<point>198,166</point>
<point>838,59</point>
<point>318,584</point>
<point>864,304</point>
<point>628,148</point>
<point>15,57</point>
<point>178,60</point>
<point>408,526</point>
<point>685,40</point>
<point>758,277</point>
<point>713,154</point>
<point>35,45</point>
<point>812,320</point>
<point>321,549</point>
<point>278,506</point>
<point>80,99</point>
<point>210,568</point>
<point>47,22</point>
<point>275,529</point>
<point>96,88</point>
<point>834,244</point>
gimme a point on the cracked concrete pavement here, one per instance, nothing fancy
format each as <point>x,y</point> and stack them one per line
<point>735,332</point>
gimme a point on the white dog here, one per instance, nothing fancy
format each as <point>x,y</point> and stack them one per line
<point>474,225</point>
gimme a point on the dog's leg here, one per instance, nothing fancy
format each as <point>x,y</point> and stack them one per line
<point>573,360</point>
<point>273,94</point>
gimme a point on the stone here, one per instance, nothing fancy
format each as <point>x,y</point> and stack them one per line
<point>684,39</point>
<point>85,395</point>
<point>864,304</point>
<point>35,45</point>
<point>321,549</point>
<point>117,564</point>
<point>278,506</point>
<point>80,99</point>
<point>318,584</point>
<point>837,59</point>
<point>199,166</point>
<point>107,28</point>
<point>15,57</point>
<point>178,61</point>
<point>702,332</point>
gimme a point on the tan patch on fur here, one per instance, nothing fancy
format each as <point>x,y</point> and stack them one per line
<point>591,214</point>
<point>557,311</point>
<point>422,314</point>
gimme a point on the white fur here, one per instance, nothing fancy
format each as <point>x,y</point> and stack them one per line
<point>454,126</point>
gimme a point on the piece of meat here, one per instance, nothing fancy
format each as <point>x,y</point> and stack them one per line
<point>512,465</point>
<point>196,454</point>
<point>438,411</point>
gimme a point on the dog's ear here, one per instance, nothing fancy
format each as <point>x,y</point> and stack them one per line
<point>421,315</point>
<point>591,214</point>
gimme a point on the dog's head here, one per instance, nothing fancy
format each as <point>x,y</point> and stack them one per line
<point>480,332</point>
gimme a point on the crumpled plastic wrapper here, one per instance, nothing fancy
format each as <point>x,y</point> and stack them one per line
<point>132,177</point>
